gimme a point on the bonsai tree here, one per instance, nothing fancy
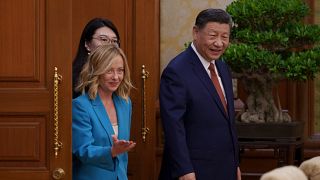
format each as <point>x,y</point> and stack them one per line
<point>269,43</point>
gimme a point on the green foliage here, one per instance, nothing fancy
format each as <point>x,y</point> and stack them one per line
<point>265,39</point>
<point>263,15</point>
<point>303,65</point>
<point>187,44</point>
<point>243,58</point>
<point>269,37</point>
<point>303,33</point>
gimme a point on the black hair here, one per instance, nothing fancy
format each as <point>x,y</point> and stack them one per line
<point>213,15</point>
<point>82,53</point>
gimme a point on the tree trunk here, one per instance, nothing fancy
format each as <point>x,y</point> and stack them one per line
<point>261,106</point>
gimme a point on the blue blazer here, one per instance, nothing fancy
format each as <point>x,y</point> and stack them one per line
<point>199,136</point>
<point>92,139</point>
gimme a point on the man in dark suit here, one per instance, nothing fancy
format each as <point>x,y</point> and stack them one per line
<point>196,106</point>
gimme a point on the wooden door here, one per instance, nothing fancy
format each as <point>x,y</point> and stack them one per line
<point>35,37</point>
<point>145,54</point>
<point>138,25</point>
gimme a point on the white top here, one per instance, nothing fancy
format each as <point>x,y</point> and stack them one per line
<point>115,129</point>
<point>206,65</point>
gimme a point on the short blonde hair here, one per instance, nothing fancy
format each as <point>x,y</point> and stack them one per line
<point>99,61</point>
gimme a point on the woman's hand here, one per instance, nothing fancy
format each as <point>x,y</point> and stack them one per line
<point>121,146</point>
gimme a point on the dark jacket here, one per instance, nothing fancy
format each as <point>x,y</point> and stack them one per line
<point>199,136</point>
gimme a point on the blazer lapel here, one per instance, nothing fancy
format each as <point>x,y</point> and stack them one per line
<point>120,117</point>
<point>205,79</point>
<point>103,117</point>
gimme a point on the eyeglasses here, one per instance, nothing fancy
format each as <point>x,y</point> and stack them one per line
<point>106,40</point>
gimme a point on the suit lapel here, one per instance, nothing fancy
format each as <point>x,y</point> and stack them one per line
<point>205,79</point>
<point>224,75</point>
<point>103,116</point>
<point>120,117</point>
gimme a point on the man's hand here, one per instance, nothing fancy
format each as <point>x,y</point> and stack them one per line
<point>121,146</point>
<point>238,174</point>
<point>189,176</point>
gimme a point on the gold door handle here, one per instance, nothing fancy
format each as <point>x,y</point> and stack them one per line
<point>144,130</point>
<point>57,145</point>
<point>58,173</point>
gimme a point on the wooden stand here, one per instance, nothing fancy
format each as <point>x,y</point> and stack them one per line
<point>286,152</point>
<point>271,145</point>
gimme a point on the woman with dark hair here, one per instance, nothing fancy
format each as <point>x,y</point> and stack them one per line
<point>98,31</point>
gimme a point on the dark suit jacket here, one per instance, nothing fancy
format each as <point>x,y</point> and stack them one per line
<point>199,136</point>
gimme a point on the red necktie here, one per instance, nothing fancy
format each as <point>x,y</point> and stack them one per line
<point>214,78</point>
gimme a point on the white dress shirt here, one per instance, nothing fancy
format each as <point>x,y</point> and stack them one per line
<point>206,64</point>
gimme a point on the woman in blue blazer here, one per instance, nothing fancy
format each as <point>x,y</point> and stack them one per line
<point>101,117</point>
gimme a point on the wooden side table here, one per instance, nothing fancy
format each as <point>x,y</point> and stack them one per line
<point>287,152</point>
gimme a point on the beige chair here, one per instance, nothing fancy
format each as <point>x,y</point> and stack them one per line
<point>311,168</point>
<point>285,173</point>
